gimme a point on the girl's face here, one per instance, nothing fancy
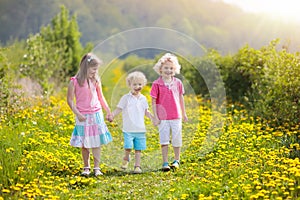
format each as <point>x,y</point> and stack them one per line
<point>136,86</point>
<point>92,72</point>
<point>167,70</point>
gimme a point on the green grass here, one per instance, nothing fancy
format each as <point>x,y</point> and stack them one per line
<point>247,161</point>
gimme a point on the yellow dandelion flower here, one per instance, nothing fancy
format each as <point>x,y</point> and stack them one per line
<point>72,182</point>
<point>8,150</point>
<point>5,190</point>
<point>184,196</point>
<point>291,184</point>
<point>258,187</point>
<point>19,185</point>
<point>277,134</point>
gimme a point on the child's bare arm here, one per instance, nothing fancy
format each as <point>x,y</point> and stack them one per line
<point>149,114</point>
<point>155,120</point>
<point>182,106</point>
<point>116,112</point>
<point>70,101</point>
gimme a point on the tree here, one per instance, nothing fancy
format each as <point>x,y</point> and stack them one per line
<point>54,53</point>
<point>64,31</point>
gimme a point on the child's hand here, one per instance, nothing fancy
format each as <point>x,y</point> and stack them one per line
<point>185,118</point>
<point>155,121</point>
<point>81,117</point>
<point>109,117</point>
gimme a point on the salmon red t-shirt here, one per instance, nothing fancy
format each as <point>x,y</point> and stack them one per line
<point>167,98</point>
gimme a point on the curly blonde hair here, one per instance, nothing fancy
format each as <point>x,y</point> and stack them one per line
<point>136,76</point>
<point>168,57</point>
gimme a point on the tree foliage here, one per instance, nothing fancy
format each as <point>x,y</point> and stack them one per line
<point>213,24</point>
<point>265,80</point>
<point>10,91</point>
<point>54,53</point>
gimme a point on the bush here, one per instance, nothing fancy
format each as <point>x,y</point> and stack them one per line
<point>10,92</point>
<point>54,53</point>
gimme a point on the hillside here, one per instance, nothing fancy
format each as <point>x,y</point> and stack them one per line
<point>213,24</point>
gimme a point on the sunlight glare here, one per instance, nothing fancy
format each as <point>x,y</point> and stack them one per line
<point>284,9</point>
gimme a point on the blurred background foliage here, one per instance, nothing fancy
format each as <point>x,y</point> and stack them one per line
<point>211,23</point>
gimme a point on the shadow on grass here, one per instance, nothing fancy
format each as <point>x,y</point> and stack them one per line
<point>116,172</point>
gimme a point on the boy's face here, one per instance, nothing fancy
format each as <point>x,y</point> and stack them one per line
<point>167,70</point>
<point>136,86</point>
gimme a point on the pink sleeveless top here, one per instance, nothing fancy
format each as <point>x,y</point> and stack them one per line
<point>86,97</point>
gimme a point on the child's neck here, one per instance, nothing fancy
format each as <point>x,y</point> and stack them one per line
<point>92,80</point>
<point>167,79</point>
<point>136,94</point>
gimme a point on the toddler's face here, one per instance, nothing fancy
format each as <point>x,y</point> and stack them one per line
<point>136,86</point>
<point>167,70</point>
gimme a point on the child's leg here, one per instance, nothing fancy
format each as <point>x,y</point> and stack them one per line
<point>128,142</point>
<point>86,157</point>
<point>137,165</point>
<point>126,159</point>
<point>164,137</point>
<point>96,154</point>
<point>126,154</point>
<point>177,153</point>
<point>164,151</point>
<point>137,158</point>
<point>176,126</point>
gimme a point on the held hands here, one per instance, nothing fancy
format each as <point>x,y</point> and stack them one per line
<point>155,121</point>
<point>109,117</point>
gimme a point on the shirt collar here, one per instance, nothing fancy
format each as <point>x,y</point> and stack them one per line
<point>160,81</point>
<point>130,94</point>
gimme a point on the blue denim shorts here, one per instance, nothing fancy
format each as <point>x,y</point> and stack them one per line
<point>134,140</point>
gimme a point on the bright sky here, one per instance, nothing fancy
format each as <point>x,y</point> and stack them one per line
<point>285,9</point>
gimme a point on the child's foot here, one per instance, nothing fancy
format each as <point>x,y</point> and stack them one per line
<point>175,164</point>
<point>86,171</point>
<point>165,167</point>
<point>137,170</point>
<point>97,172</point>
<point>125,164</point>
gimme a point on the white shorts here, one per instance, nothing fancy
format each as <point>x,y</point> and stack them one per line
<point>164,128</point>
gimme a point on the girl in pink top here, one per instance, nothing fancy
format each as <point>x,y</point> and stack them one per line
<point>90,131</point>
<point>168,107</point>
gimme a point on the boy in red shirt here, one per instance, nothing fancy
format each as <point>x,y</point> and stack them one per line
<point>168,107</point>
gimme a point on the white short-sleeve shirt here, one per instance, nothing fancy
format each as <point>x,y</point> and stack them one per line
<point>133,112</point>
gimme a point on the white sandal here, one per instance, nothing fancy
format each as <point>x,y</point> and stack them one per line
<point>97,171</point>
<point>86,171</point>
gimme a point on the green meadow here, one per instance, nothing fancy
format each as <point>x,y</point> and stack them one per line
<point>245,148</point>
<point>245,158</point>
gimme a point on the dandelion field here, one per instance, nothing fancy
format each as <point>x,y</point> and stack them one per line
<point>247,161</point>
